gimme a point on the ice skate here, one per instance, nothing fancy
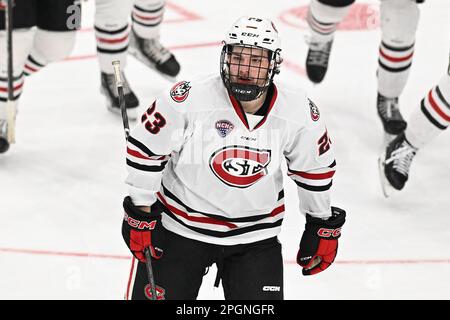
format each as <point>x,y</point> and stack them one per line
<point>317,59</point>
<point>109,90</point>
<point>4,143</point>
<point>394,164</point>
<point>389,113</point>
<point>154,55</point>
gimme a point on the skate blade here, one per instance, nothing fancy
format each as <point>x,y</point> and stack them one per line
<point>141,58</point>
<point>387,189</point>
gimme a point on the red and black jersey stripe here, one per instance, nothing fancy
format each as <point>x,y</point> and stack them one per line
<point>181,213</point>
<point>254,218</point>
<point>315,181</point>
<point>141,158</point>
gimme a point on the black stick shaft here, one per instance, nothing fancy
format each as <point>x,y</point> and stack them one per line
<point>123,110</point>
<point>9,47</point>
<point>151,278</point>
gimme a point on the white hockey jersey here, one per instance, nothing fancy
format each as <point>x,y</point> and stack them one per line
<point>220,177</point>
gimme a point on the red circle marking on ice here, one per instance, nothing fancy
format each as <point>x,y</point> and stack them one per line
<point>361,16</point>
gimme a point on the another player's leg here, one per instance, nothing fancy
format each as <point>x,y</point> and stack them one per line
<point>253,271</point>
<point>112,36</point>
<point>48,46</point>
<point>399,19</point>
<point>178,273</point>
<point>144,41</point>
<point>427,122</point>
<point>323,18</point>
<point>57,22</point>
<point>23,19</point>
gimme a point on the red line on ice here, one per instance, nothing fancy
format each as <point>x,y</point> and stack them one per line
<point>128,257</point>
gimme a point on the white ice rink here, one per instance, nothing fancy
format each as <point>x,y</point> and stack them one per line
<point>61,184</point>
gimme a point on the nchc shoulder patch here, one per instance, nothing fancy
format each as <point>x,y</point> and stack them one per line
<point>180,91</point>
<point>315,114</point>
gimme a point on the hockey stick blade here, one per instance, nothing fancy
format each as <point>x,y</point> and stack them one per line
<point>11,120</point>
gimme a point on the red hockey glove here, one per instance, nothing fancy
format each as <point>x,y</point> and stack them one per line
<point>142,230</point>
<point>319,243</point>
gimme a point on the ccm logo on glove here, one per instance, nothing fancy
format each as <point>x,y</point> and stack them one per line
<point>327,233</point>
<point>142,230</point>
<point>137,224</point>
<point>319,243</point>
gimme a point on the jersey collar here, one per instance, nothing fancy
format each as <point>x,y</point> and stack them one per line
<point>241,113</point>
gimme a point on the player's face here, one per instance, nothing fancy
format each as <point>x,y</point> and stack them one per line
<point>248,65</point>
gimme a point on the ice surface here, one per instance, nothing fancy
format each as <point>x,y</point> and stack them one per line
<point>61,184</point>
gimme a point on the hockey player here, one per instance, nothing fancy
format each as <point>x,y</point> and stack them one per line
<point>205,180</point>
<point>323,18</point>
<point>426,123</point>
<point>115,37</point>
<point>399,19</point>
<point>53,40</point>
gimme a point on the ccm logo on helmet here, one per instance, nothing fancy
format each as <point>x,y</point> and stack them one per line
<point>239,166</point>
<point>327,233</point>
<point>140,225</point>
<point>249,34</point>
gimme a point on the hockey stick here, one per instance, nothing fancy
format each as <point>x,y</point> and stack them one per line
<point>123,110</point>
<point>10,104</point>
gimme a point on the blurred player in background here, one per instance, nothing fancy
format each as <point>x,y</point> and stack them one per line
<point>399,20</point>
<point>52,40</point>
<point>430,119</point>
<point>323,19</point>
<point>116,37</point>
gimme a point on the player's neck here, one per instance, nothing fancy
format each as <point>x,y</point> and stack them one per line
<point>254,105</point>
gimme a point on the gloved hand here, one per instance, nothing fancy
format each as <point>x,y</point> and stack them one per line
<point>319,243</point>
<point>142,230</point>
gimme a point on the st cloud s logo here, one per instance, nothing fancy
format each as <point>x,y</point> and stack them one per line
<point>240,166</point>
<point>160,293</point>
<point>180,91</point>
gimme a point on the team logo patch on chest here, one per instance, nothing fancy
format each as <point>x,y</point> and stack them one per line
<point>224,127</point>
<point>240,166</point>
<point>180,91</point>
